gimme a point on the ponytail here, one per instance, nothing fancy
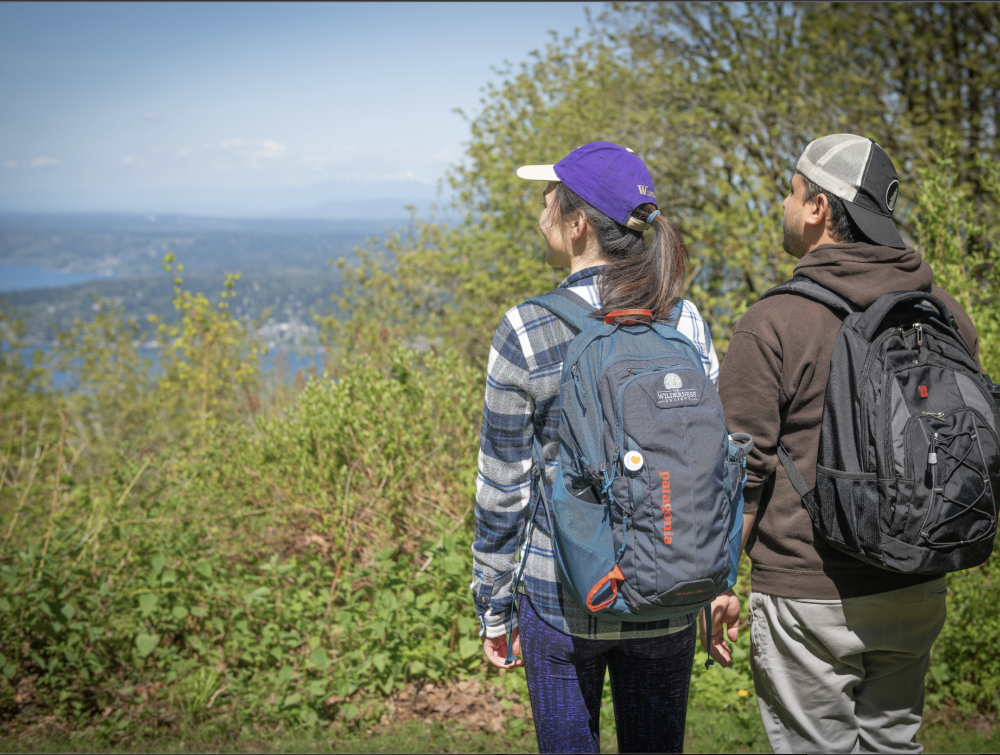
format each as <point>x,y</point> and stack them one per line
<point>639,275</point>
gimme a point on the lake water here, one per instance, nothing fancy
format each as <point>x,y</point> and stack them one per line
<point>21,277</point>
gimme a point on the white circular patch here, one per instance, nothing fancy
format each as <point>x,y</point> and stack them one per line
<point>891,194</point>
<point>672,381</point>
<point>633,461</point>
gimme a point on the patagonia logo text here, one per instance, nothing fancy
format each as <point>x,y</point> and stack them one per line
<point>667,509</point>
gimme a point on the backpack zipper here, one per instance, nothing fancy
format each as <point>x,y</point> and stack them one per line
<point>577,380</point>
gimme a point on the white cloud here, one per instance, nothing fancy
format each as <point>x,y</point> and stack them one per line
<point>184,151</point>
<point>444,156</point>
<point>44,162</point>
<point>132,160</point>
<point>150,117</point>
<point>10,164</point>
<point>318,159</point>
<point>223,167</point>
<point>272,150</point>
<point>265,150</point>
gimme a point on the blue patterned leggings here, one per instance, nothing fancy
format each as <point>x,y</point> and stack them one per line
<point>565,674</point>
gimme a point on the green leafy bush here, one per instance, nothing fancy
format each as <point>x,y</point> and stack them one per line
<point>256,633</point>
<point>206,587</point>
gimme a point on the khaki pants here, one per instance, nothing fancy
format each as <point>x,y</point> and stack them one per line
<point>844,675</point>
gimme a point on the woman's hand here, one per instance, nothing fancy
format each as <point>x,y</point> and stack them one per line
<point>496,650</point>
<point>725,610</point>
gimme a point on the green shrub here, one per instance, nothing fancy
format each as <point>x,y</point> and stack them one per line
<point>207,587</point>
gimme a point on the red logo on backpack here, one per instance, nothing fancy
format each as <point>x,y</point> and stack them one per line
<point>665,507</point>
<point>923,391</point>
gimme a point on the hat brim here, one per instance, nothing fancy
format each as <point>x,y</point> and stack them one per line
<point>877,228</point>
<point>537,173</point>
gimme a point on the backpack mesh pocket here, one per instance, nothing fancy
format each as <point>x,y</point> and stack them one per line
<point>849,509</point>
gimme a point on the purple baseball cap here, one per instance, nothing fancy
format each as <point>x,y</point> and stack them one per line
<point>608,177</point>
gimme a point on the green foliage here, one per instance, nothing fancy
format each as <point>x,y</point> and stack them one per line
<point>258,633</point>
<point>959,238</point>
<point>209,355</point>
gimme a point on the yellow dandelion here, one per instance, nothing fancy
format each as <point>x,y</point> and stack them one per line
<point>742,693</point>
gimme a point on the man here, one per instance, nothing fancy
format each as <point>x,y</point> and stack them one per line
<point>839,648</point>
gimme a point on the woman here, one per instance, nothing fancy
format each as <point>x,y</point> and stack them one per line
<point>597,202</point>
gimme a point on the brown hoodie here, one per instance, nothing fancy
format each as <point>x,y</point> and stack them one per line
<point>773,383</point>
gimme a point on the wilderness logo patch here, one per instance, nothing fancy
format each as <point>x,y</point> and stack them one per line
<point>671,391</point>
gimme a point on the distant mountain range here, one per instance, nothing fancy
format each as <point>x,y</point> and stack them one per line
<point>326,200</point>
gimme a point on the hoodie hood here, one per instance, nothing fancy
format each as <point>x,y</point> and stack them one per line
<point>861,273</point>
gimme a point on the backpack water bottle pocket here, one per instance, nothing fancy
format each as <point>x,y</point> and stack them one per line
<point>848,508</point>
<point>584,548</point>
<point>735,464</point>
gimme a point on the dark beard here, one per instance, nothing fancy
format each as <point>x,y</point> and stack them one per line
<point>790,242</point>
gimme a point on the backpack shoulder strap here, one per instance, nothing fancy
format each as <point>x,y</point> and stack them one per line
<point>812,290</point>
<point>571,308</point>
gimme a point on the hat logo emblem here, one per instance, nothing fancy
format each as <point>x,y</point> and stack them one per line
<point>890,195</point>
<point>645,191</point>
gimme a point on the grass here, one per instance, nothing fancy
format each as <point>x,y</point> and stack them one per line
<point>706,732</point>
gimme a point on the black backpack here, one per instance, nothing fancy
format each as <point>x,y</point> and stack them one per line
<point>908,474</point>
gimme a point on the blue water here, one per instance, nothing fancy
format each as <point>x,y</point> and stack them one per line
<point>21,277</point>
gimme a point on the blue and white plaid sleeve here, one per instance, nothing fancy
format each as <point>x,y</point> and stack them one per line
<point>693,326</point>
<point>503,486</point>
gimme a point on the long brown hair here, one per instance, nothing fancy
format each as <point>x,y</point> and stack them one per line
<point>639,275</point>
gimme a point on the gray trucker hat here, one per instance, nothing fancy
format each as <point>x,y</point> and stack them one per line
<point>858,171</point>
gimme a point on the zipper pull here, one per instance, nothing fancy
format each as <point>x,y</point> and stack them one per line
<point>575,372</point>
<point>920,334</point>
<point>936,415</point>
<point>932,463</point>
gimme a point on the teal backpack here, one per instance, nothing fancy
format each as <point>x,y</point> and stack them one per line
<point>646,510</point>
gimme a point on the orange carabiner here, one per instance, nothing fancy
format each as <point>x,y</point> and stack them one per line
<point>614,577</point>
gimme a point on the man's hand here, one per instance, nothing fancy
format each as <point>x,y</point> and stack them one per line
<point>496,649</point>
<point>725,610</point>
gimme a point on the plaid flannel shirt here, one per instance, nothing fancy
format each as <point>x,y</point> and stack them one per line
<point>522,400</point>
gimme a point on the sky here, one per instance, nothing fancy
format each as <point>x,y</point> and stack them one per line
<point>234,108</point>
